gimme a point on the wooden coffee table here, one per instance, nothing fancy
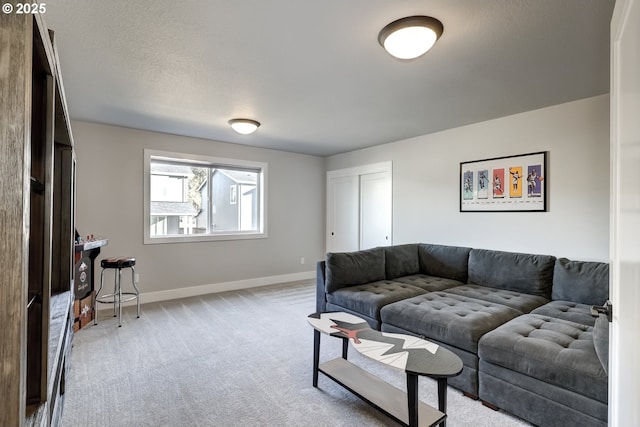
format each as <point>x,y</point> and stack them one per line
<point>413,355</point>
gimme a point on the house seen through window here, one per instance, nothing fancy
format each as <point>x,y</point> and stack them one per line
<point>203,197</point>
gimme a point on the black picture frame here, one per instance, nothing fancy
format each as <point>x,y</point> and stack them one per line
<point>516,183</point>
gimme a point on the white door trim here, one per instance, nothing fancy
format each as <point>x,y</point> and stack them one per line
<point>624,344</point>
<point>361,170</point>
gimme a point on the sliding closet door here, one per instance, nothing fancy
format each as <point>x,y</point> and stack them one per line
<point>359,207</point>
<point>375,210</point>
<point>342,214</point>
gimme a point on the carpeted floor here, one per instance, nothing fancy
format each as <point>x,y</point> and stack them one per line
<point>240,358</point>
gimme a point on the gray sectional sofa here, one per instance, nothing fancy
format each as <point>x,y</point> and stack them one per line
<point>521,323</point>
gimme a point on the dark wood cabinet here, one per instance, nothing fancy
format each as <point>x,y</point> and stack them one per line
<point>37,203</point>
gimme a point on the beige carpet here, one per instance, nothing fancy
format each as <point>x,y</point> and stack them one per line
<point>239,358</point>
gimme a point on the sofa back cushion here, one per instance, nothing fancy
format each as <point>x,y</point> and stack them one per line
<point>354,268</point>
<point>401,260</point>
<point>581,281</point>
<point>526,273</point>
<point>450,262</point>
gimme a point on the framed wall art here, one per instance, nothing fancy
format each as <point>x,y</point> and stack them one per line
<point>505,184</point>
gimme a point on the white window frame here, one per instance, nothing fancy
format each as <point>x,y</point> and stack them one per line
<point>261,233</point>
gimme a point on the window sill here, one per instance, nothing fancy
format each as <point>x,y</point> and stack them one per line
<point>194,238</point>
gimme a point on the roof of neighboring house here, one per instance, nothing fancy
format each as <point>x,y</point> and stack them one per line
<point>241,177</point>
<point>173,209</point>
<point>169,169</point>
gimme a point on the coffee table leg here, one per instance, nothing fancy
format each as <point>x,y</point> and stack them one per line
<point>412,398</point>
<point>316,356</point>
<point>442,398</point>
<point>345,347</point>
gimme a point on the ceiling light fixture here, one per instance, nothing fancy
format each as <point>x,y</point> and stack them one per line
<point>410,37</point>
<point>244,126</point>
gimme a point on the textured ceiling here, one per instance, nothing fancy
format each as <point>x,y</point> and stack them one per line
<point>312,71</point>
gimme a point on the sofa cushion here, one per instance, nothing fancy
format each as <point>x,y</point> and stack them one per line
<point>581,282</point>
<point>526,273</point>
<point>354,268</point>
<point>450,262</point>
<point>369,298</point>
<point>601,340</point>
<point>451,319</point>
<point>567,310</point>
<point>551,350</point>
<point>401,260</point>
<point>428,283</point>
<point>522,302</point>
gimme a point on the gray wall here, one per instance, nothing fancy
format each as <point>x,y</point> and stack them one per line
<point>426,193</point>
<point>110,204</point>
<point>425,197</point>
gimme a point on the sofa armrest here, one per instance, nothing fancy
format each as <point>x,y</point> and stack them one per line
<point>321,295</point>
<point>601,340</point>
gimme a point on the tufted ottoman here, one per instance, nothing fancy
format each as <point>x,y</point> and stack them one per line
<point>367,300</point>
<point>518,300</point>
<point>567,310</point>
<point>455,321</point>
<point>545,366</point>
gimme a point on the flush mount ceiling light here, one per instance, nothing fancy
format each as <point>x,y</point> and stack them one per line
<point>410,37</point>
<point>244,126</point>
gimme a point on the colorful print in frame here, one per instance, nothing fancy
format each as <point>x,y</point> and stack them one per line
<point>505,184</point>
<point>498,183</point>
<point>515,189</point>
<point>467,186</point>
<point>534,189</point>
<point>483,184</point>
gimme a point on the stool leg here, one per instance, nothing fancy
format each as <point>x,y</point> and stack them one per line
<point>95,304</point>
<point>133,282</point>
<point>119,297</point>
<point>115,291</point>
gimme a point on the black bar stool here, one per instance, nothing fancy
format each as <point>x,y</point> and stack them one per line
<point>116,298</point>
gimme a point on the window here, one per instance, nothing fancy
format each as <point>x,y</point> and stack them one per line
<point>195,198</point>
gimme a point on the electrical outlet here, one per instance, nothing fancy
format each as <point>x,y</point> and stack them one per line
<point>302,260</point>
<point>136,278</point>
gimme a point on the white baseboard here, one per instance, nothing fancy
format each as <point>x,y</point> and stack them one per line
<point>147,297</point>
